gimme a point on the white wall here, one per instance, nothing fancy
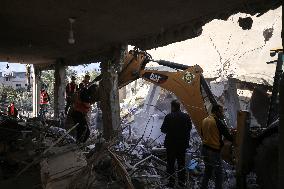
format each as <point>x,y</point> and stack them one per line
<point>14,81</point>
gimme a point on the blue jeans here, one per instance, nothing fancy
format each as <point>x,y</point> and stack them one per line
<point>213,163</point>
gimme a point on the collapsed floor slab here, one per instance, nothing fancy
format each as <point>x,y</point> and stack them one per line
<point>58,169</point>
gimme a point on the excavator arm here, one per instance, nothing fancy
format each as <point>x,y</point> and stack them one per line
<point>187,83</point>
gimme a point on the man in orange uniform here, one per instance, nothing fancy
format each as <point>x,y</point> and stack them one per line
<point>44,99</point>
<point>12,110</point>
<point>81,106</point>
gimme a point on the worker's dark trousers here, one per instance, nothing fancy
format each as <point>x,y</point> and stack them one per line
<point>68,104</point>
<point>83,131</point>
<point>43,111</point>
<point>213,163</point>
<point>175,154</point>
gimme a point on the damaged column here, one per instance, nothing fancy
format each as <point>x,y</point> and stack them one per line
<point>109,92</point>
<point>231,102</point>
<point>36,90</point>
<point>59,88</point>
<point>281,130</point>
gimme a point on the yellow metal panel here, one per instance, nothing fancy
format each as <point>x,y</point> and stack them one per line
<point>187,92</point>
<point>184,84</point>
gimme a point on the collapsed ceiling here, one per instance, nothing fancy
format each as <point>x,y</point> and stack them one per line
<point>41,31</point>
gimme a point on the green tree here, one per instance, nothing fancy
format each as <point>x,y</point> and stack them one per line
<point>21,98</point>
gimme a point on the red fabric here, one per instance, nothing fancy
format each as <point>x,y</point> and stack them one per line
<point>12,109</point>
<point>43,97</point>
<point>72,87</point>
<point>81,106</point>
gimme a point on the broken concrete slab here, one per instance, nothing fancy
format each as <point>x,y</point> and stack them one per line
<point>259,105</point>
<point>57,169</point>
<point>232,103</point>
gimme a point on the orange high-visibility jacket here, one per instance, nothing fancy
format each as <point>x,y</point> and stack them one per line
<point>44,98</point>
<point>81,106</point>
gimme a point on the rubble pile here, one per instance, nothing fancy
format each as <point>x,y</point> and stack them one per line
<point>137,159</point>
<point>117,166</point>
<point>23,144</point>
<point>148,119</point>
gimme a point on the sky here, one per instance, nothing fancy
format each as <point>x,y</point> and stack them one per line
<point>21,67</point>
<point>12,67</point>
<point>83,69</point>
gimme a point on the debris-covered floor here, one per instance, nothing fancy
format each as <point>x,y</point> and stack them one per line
<point>41,154</point>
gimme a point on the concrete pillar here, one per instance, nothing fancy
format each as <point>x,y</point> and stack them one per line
<point>99,119</point>
<point>232,103</point>
<point>122,94</point>
<point>281,133</point>
<point>281,128</point>
<point>109,92</point>
<point>36,90</point>
<point>59,89</point>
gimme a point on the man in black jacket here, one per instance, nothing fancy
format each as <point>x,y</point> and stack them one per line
<point>176,126</point>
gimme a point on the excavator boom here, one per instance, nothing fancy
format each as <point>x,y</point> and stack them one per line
<point>187,83</point>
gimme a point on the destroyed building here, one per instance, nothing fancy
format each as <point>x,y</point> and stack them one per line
<point>125,148</point>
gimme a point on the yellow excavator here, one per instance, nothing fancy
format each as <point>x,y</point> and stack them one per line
<point>251,149</point>
<point>187,83</point>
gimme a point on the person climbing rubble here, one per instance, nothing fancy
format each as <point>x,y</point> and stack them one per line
<point>177,126</point>
<point>212,129</point>
<point>12,110</point>
<point>81,106</point>
<point>70,90</point>
<point>44,100</point>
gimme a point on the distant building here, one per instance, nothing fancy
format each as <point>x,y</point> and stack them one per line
<point>17,80</point>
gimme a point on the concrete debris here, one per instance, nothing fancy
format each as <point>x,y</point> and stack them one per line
<point>23,144</point>
<point>57,170</point>
<point>259,105</point>
<point>266,81</point>
<point>136,160</point>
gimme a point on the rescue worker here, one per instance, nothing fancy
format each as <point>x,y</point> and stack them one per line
<point>85,82</point>
<point>81,106</point>
<point>44,99</point>
<point>177,126</point>
<point>12,110</point>
<point>70,90</point>
<point>212,129</point>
